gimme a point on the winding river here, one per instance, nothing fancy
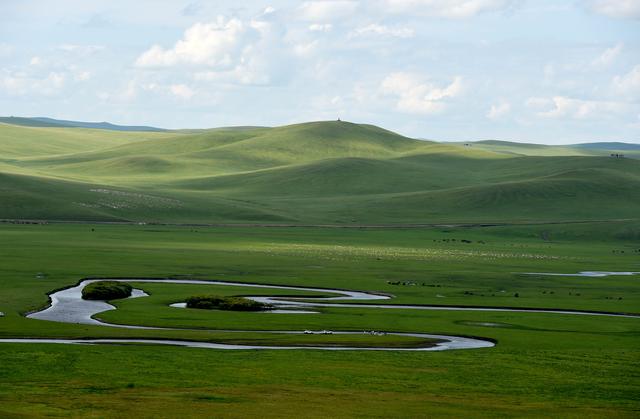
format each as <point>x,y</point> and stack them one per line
<point>67,306</point>
<point>589,274</point>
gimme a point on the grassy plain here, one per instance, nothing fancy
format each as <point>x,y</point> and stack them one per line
<point>543,365</point>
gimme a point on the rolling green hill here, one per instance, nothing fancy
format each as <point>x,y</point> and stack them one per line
<point>318,172</point>
<point>24,142</point>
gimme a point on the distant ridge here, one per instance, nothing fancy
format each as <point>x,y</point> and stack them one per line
<point>50,122</point>
<point>27,122</point>
<point>609,146</point>
<point>506,143</point>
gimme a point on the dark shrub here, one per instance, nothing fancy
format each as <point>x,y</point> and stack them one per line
<point>106,290</point>
<point>215,302</point>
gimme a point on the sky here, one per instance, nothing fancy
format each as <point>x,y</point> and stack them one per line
<point>552,72</point>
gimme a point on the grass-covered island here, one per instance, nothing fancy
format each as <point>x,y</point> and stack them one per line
<point>106,290</point>
<point>217,302</point>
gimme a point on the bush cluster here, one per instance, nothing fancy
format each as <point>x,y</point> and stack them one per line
<point>106,290</point>
<point>216,302</point>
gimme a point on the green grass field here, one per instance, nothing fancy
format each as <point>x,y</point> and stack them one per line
<point>429,223</point>
<point>543,365</point>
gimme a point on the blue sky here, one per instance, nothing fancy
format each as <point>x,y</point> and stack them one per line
<point>540,71</point>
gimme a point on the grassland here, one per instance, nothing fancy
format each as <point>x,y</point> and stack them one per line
<point>312,173</point>
<point>543,364</point>
<point>497,211</point>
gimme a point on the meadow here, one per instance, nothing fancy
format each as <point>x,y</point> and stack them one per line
<point>326,205</point>
<point>543,364</point>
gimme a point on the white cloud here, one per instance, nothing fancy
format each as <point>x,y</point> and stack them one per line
<point>130,91</point>
<point>20,83</point>
<point>320,27</point>
<point>226,51</point>
<point>81,49</point>
<point>499,110</point>
<point>305,49</point>
<point>417,96</point>
<point>35,61</point>
<point>327,10</point>
<point>257,66</point>
<point>566,107</point>
<point>455,9</point>
<point>382,30</point>
<point>608,56</point>
<point>82,75</point>
<point>213,44</point>
<point>244,74</point>
<point>624,9</point>
<point>182,91</point>
<point>139,90</point>
<point>628,84</point>
<point>54,80</point>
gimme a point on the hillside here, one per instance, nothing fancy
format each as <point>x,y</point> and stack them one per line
<point>318,172</point>
<point>26,142</point>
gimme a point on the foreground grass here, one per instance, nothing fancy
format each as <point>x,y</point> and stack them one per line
<point>543,365</point>
<point>162,382</point>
